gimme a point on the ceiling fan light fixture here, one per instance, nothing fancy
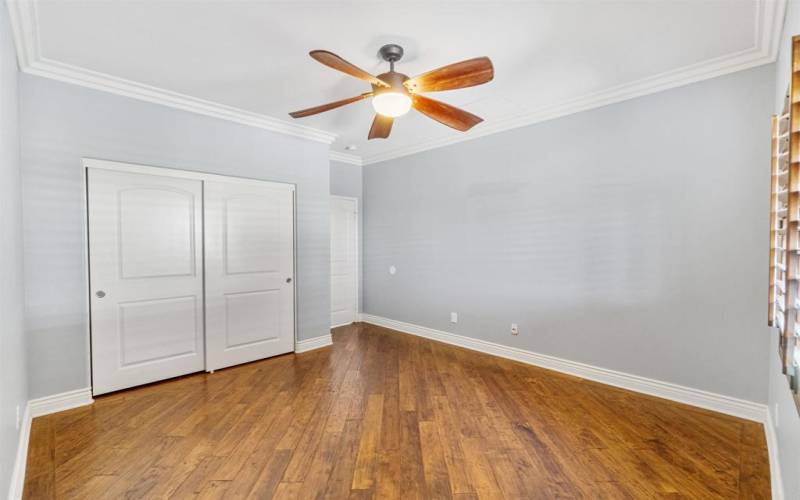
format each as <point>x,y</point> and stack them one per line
<point>392,103</point>
<point>394,94</point>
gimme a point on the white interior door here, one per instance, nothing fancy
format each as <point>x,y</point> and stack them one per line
<point>249,242</point>
<point>146,278</point>
<point>344,260</point>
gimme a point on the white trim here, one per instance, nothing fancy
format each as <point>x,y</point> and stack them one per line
<point>687,395</point>
<point>314,343</point>
<point>37,408</point>
<point>768,27</point>
<point>24,22</point>
<point>295,273</point>
<point>60,402</point>
<point>174,172</point>
<point>776,481</point>
<point>21,461</point>
<point>345,158</point>
<point>25,26</point>
<point>119,86</point>
<point>87,291</point>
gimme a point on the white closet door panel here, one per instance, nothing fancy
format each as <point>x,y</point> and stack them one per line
<point>156,233</point>
<point>252,234</point>
<point>344,259</point>
<point>249,261</point>
<point>146,278</point>
<point>156,329</point>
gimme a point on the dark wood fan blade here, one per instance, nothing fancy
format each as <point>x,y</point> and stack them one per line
<point>333,61</point>
<point>445,113</point>
<point>381,127</point>
<point>454,76</point>
<point>329,106</point>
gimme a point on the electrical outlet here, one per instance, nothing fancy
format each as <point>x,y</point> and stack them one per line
<point>18,422</point>
<point>453,317</point>
<point>514,329</point>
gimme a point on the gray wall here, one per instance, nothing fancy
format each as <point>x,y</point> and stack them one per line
<point>62,123</point>
<point>346,181</point>
<point>631,237</point>
<point>781,403</point>
<point>13,377</point>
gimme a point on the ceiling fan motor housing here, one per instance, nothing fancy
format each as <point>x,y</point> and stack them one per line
<point>391,53</point>
<point>395,81</point>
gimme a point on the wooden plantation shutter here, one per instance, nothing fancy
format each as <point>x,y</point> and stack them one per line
<point>784,289</point>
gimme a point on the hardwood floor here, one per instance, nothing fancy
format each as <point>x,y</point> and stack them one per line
<point>387,415</point>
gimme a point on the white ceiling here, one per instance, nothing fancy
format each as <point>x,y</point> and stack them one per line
<point>550,58</point>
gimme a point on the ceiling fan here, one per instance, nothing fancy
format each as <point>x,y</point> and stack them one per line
<point>394,94</point>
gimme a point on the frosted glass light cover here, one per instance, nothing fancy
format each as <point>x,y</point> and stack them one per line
<point>391,104</point>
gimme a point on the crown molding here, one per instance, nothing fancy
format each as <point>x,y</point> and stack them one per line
<point>25,27</point>
<point>23,16</point>
<point>345,158</point>
<point>768,27</point>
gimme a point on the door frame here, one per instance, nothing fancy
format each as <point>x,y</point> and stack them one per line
<point>357,246</point>
<point>87,163</point>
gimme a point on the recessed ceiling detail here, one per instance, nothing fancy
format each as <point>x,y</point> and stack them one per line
<point>246,61</point>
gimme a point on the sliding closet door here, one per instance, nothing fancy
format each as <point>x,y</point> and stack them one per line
<point>146,278</point>
<point>249,248</point>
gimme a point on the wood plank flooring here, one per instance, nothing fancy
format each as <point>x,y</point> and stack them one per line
<point>387,415</point>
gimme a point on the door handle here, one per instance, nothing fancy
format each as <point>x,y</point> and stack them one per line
<point>100,294</point>
<point>288,280</point>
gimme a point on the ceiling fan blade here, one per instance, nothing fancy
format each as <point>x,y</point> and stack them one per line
<point>333,61</point>
<point>445,113</point>
<point>329,106</point>
<point>381,127</point>
<point>454,76</point>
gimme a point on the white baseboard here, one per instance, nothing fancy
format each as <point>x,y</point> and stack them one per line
<point>695,397</point>
<point>716,402</point>
<point>21,460</point>
<point>357,319</point>
<point>315,343</point>
<point>37,408</point>
<point>60,402</point>
<point>776,479</point>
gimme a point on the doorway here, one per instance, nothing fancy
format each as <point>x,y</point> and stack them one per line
<point>344,260</point>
